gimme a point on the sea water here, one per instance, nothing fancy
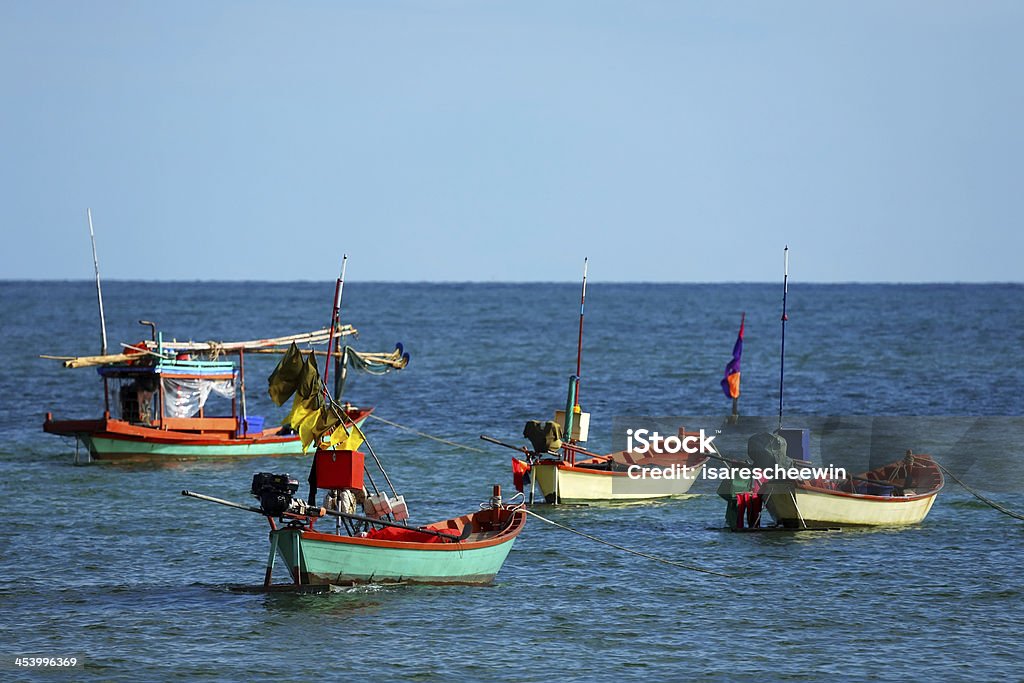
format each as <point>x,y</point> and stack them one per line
<point>112,565</point>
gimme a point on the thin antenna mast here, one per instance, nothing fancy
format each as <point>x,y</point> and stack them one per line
<point>99,290</point>
<point>782,360</point>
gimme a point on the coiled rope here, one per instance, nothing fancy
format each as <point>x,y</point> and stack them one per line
<point>216,349</point>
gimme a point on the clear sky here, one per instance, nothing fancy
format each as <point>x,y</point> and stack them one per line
<point>444,140</point>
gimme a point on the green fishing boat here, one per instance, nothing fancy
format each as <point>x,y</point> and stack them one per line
<point>155,395</point>
<point>473,552</point>
<point>372,542</point>
<point>378,547</point>
<point>155,399</point>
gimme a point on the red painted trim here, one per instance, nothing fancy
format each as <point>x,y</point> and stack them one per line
<point>124,431</point>
<point>926,463</point>
<point>804,486</point>
<point>180,438</point>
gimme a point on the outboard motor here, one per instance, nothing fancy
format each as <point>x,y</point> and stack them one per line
<point>543,436</point>
<point>767,450</point>
<point>274,491</point>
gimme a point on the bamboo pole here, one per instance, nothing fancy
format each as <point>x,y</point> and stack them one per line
<point>91,361</point>
<point>305,338</point>
<point>391,359</point>
<point>255,346</point>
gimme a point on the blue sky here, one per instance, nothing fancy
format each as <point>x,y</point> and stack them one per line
<point>667,141</point>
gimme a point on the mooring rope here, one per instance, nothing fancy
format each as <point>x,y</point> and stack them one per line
<point>628,550</point>
<point>427,436</point>
<point>983,499</point>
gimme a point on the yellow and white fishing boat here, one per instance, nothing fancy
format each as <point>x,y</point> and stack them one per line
<point>616,477</point>
<point>899,493</point>
<point>566,473</point>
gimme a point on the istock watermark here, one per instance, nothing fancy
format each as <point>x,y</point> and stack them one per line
<point>644,441</point>
<point>727,473</point>
<point>986,452</point>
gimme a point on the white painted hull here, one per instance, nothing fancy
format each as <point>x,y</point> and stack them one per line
<point>798,507</point>
<point>579,485</point>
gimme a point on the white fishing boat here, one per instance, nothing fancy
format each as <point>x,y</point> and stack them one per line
<point>575,476</point>
<point>899,493</point>
<point>566,473</point>
<point>609,478</point>
<point>896,494</point>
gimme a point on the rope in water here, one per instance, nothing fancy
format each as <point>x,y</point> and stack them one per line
<point>427,436</point>
<point>983,499</point>
<point>628,550</point>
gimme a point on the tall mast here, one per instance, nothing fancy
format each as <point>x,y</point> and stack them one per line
<point>339,286</point>
<point>99,290</point>
<point>782,359</point>
<point>579,342</point>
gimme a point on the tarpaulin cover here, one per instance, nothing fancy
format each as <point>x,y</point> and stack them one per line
<point>766,450</point>
<point>390,533</point>
<point>184,397</point>
<point>543,436</point>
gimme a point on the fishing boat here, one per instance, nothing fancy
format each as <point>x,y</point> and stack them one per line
<point>155,396</point>
<point>473,552</point>
<point>568,473</point>
<point>896,494</point>
<point>155,402</point>
<point>579,477</point>
<point>469,549</point>
<point>378,546</point>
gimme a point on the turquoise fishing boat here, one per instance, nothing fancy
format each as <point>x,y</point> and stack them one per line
<point>473,552</point>
<point>380,546</point>
<point>371,542</point>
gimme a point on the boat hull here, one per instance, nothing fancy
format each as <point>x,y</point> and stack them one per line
<point>114,441</point>
<point>831,503</point>
<point>314,558</point>
<point>796,508</point>
<point>118,449</point>
<point>580,485</point>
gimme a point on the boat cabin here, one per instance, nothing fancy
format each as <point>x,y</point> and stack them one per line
<point>172,394</point>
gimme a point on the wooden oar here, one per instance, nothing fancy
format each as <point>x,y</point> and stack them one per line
<point>466,530</point>
<point>221,501</point>
<point>521,449</point>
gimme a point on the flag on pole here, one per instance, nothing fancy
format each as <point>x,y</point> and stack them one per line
<point>731,381</point>
<point>520,473</point>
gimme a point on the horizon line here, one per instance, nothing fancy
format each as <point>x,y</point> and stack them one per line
<point>518,282</point>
